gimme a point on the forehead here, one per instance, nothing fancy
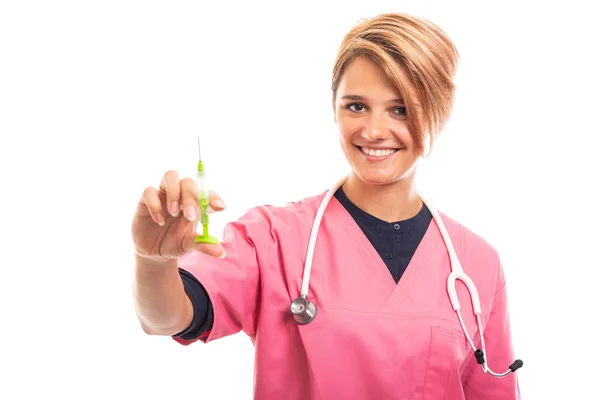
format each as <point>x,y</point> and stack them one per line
<point>364,77</point>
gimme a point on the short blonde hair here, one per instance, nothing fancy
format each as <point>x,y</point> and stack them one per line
<point>399,42</point>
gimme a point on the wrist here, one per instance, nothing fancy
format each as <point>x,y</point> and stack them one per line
<point>154,264</point>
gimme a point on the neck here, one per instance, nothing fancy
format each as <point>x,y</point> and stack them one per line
<point>391,202</point>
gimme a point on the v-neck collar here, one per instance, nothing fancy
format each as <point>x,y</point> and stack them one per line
<point>396,292</point>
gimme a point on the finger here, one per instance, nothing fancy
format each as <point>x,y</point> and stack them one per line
<point>189,199</point>
<point>151,199</point>
<point>214,250</point>
<point>215,202</point>
<point>170,186</point>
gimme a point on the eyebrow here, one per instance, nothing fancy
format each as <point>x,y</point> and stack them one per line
<point>354,97</point>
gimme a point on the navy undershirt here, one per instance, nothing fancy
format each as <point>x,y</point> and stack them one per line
<point>395,243</point>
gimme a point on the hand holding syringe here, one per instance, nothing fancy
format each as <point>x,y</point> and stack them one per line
<point>164,225</point>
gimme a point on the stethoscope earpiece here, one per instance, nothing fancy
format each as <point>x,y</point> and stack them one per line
<point>304,311</point>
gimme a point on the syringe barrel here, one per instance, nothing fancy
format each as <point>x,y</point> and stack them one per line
<point>201,186</point>
<point>202,198</point>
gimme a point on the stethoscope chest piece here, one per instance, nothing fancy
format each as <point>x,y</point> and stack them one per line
<point>304,311</point>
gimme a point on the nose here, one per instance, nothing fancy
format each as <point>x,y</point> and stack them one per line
<point>376,127</point>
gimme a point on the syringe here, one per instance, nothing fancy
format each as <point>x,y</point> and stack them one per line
<point>203,202</point>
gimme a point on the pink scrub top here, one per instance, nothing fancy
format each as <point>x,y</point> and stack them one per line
<point>371,338</point>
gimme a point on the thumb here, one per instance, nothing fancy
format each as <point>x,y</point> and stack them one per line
<point>189,243</point>
<point>214,250</point>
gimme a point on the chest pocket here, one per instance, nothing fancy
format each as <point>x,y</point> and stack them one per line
<point>447,350</point>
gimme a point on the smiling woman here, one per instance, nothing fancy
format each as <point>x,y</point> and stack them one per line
<point>382,317</point>
<point>393,92</point>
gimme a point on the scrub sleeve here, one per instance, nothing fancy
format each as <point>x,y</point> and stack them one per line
<point>233,283</point>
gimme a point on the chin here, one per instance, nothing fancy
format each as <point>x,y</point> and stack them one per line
<point>379,178</point>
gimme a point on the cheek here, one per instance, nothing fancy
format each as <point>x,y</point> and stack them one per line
<point>349,127</point>
<point>402,132</point>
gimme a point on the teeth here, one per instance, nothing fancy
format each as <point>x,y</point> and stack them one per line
<point>378,152</point>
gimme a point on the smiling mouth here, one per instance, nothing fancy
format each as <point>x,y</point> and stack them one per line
<point>373,152</point>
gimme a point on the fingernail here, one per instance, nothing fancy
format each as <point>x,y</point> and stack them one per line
<point>220,204</point>
<point>174,208</point>
<point>160,220</point>
<point>222,256</point>
<point>191,213</point>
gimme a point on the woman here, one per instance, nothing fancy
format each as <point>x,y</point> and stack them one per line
<point>384,326</point>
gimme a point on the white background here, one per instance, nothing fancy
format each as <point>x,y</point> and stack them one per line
<point>99,99</point>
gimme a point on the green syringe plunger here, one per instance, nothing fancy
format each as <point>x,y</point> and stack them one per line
<point>203,203</point>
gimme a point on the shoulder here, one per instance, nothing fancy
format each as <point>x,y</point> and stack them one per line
<point>477,255</point>
<point>270,228</point>
<point>468,237</point>
<point>296,212</point>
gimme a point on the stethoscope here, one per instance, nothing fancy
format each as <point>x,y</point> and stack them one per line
<point>305,311</point>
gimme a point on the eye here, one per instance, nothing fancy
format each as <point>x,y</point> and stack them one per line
<point>400,111</point>
<point>355,107</point>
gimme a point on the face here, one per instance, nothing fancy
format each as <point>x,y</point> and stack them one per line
<point>374,131</point>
